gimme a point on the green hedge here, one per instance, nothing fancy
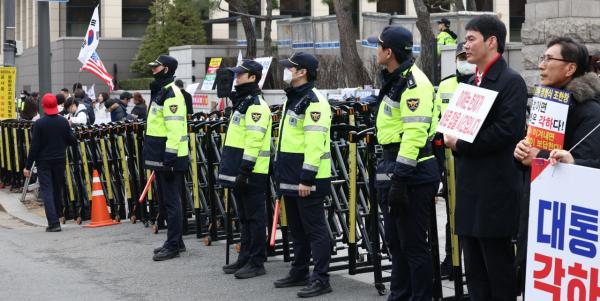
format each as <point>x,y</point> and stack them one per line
<point>135,83</point>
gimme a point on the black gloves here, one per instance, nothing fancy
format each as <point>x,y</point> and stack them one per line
<point>169,160</point>
<point>398,197</point>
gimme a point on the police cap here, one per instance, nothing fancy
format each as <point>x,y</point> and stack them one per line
<point>165,60</point>
<point>301,60</point>
<point>397,38</point>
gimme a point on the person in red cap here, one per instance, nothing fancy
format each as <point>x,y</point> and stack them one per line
<point>50,138</point>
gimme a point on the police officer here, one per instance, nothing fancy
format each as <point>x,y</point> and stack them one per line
<point>166,149</point>
<point>464,71</point>
<point>245,165</point>
<point>303,172</point>
<point>446,36</point>
<point>407,178</point>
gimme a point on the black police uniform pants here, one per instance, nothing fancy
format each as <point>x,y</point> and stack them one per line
<point>169,189</point>
<point>52,180</point>
<point>306,219</point>
<point>489,265</point>
<point>251,207</point>
<point>406,237</point>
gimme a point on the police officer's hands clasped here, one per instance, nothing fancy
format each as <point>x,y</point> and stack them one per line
<point>303,190</point>
<point>398,197</point>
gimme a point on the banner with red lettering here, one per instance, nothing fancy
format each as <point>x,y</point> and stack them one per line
<point>562,244</point>
<point>466,112</point>
<point>548,118</point>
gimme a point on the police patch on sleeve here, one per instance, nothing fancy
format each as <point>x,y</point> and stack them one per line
<point>173,108</point>
<point>315,116</point>
<point>256,116</point>
<point>412,104</point>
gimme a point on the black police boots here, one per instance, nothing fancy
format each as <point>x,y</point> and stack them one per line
<point>250,271</point>
<point>315,288</point>
<point>233,267</point>
<point>181,248</point>
<point>53,228</point>
<point>290,281</point>
<point>165,254</point>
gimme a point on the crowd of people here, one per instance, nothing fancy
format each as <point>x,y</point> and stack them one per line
<point>79,109</point>
<point>491,172</point>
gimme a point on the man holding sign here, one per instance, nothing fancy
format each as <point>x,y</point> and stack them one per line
<point>488,180</point>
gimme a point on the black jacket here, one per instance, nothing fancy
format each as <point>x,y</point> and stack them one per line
<point>50,138</point>
<point>583,116</point>
<point>118,111</point>
<point>488,178</point>
<point>140,111</point>
<point>188,102</point>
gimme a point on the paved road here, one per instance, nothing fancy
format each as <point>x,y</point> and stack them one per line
<point>114,263</point>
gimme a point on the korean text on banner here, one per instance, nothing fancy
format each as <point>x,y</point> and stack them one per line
<point>466,112</point>
<point>211,73</point>
<point>8,76</point>
<point>562,250</point>
<point>548,118</point>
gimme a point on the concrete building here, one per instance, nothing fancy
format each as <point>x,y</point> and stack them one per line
<point>123,23</point>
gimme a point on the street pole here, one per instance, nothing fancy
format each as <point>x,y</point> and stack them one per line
<point>9,33</point>
<point>44,54</point>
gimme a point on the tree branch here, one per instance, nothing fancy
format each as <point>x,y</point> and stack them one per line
<point>258,17</point>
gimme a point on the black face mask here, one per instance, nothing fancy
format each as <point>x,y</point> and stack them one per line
<point>243,90</point>
<point>161,75</point>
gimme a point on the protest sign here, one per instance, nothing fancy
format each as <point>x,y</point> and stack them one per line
<point>562,248</point>
<point>8,77</point>
<point>548,118</point>
<point>466,112</point>
<point>211,73</point>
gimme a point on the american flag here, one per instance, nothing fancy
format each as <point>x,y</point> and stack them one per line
<point>95,66</point>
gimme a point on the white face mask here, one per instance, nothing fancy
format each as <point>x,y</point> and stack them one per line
<point>465,68</point>
<point>287,76</point>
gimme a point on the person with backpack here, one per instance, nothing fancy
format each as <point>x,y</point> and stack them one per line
<point>83,99</point>
<point>77,112</point>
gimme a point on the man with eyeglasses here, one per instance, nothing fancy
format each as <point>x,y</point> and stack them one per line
<point>488,180</point>
<point>564,65</point>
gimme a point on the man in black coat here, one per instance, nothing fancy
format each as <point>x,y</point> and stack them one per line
<point>187,96</point>
<point>51,137</point>
<point>488,179</point>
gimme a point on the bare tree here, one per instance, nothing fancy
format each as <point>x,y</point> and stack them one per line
<point>267,35</point>
<point>458,5</point>
<point>353,67</point>
<point>472,5</point>
<point>427,38</point>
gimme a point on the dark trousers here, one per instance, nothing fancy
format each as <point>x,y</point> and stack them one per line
<point>169,189</point>
<point>489,265</point>
<point>406,237</point>
<point>306,219</point>
<point>251,206</point>
<point>440,157</point>
<point>52,181</point>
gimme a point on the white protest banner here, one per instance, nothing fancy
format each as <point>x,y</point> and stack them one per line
<point>466,112</point>
<point>240,58</point>
<point>91,39</point>
<point>200,103</point>
<point>266,64</point>
<point>562,245</point>
<point>91,92</point>
<point>211,73</point>
<point>191,88</point>
<point>548,118</point>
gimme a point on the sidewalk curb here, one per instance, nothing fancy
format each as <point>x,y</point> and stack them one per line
<point>13,206</point>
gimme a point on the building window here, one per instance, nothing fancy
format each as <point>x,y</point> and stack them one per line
<point>516,19</point>
<point>136,14</point>
<point>393,7</point>
<point>79,13</point>
<point>295,8</point>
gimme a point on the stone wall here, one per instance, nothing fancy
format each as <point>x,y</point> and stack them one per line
<point>548,19</point>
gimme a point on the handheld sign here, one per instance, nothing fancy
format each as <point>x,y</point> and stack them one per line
<point>548,118</point>
<point>466,112</point>
<point>211,74</point>
<point>563,260</point>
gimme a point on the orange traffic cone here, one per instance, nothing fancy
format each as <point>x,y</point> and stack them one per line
<point>100,215</point>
